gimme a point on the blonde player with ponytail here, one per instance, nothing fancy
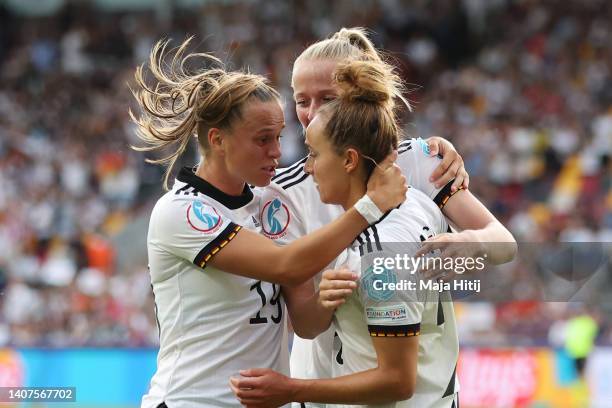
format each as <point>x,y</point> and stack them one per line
<point>404,361</point>
<point>216,280</point>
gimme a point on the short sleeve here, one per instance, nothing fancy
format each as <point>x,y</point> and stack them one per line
<point>193,230</point>
<point>417,165</point>
<point>390,296</point>
<point>282,215</point>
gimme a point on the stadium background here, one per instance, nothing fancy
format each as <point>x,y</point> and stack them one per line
<point>522,88</point>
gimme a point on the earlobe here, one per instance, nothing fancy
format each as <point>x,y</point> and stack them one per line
<point>351,160</point>
<point>215,138</point>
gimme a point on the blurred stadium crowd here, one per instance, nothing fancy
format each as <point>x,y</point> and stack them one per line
<point>522,88</point>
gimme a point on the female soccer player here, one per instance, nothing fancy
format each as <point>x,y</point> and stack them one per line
<point>395,349</point>
<point>303,211</point>
<point>214,277</point>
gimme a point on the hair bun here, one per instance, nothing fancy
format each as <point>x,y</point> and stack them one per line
<point>366,81</point>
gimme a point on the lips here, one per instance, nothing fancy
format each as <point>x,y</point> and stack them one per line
<point>271,170</point>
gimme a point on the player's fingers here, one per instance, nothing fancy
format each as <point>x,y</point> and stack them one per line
<point>441,169</point>
<point>339,274</point>
<point>466,180</point>
<point>432,245</point>
<point>434,146</point>
<point>388,161</point>
<point>459,180</point>
<point>335,294</point>
<point>254,372</point>
<point>234,387</point>
<point>449,174</point>
<point>337,284</point>
<point>333,304</point>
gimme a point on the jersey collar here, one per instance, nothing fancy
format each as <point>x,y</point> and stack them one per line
<point>186,175</point>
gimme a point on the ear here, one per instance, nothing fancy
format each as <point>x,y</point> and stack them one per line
<point>215,139</point>
<point>351,160</point>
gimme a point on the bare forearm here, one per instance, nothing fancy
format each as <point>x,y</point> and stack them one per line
<point>308,317</point>
<point>366,387</point>
<point>309,254</point>
<point>497,242</point>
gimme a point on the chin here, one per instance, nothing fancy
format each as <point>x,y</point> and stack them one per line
<point>325,199</point>
<point>260,182</point>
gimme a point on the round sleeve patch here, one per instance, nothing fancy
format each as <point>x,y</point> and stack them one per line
<point>202,217</point>
<point>275,218</point>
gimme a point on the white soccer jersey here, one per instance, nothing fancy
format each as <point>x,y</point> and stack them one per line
<point>291,208</point>
<point>212,323</point>
<point>373,311</point>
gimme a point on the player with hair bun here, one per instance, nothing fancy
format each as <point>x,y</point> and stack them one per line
<point>405,361</point>
<point>443,180</point>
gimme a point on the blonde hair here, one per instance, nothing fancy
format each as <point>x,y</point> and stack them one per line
<point>184,104</point>
<point>347,43</point>
<point>364,115</point>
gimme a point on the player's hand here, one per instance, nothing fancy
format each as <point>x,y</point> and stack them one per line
<point>451,167</point>
<point>335,287</point>
<point>387,185</point>
<point>261,388</point>
<point>451,245</point>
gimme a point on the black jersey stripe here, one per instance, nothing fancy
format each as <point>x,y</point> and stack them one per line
<point>404,146</point>
<point>193,191</point>
<point>290,168</point>
<point>290,172</point>
<point>290,176</point>
<point>182,189</point>
<point>298,181</point>
<point>407,330</point>
<point>405,143</point>
<point>368,240</point>
<point>450,389</point>
<point>440,317</point>
<point>376,238</point>
<point>445,194</point>
<point>358,239</point>
<point>214,246</point>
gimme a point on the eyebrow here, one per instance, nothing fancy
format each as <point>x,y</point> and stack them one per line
<point>319,92</point>
<point>269,129</point>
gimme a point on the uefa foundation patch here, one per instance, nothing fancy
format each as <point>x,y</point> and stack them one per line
<point>397,313</point>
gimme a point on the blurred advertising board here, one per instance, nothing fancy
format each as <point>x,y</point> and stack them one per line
<point>491,378</point>
<point>533,377</point>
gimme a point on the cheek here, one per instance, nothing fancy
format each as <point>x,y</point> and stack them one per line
<point>302,115</point>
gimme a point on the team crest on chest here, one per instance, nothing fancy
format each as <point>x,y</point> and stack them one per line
<point>275,218</point>
<point>202,217</point>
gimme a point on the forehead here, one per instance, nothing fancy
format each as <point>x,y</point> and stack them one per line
<point>316,130</point>
<point>258,114</point>
<point>309,75</point>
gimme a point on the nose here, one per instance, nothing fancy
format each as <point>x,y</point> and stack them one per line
<point>312,111</point>
<point>275,150</point>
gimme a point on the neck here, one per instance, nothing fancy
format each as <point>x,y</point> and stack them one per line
<point>216,173</point>
<point>356,189</point>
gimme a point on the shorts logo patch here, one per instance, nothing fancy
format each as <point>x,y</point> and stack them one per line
<point>275,218</point>
<point>387,314</point>
<point>203,217</point>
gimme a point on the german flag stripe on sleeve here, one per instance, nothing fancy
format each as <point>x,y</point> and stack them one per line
<point>408,330</point>
<point>445,194</point>
<point>216,245</point>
